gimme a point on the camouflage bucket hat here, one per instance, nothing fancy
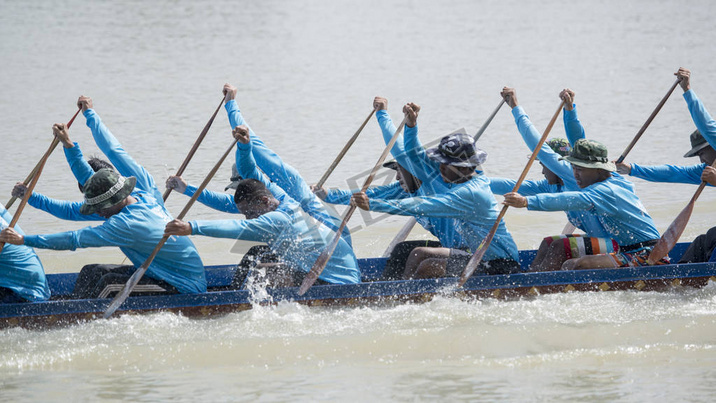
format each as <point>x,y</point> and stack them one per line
<point>458,149</point>
<point>559,145</point>
<point>590,154</point>
<point>698,142</point>
<point>105,189</point>
<point>235,178</point>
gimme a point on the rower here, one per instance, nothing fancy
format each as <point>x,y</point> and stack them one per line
<point>134,216</point>
<point>703,145</point>
<point>273,217</point>
<point>462,193</point>
<point>554,250</point>
<point>604,193</point>
<point>405,186</point>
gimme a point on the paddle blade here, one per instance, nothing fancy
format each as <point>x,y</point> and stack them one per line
<point>126,290</point>
<point>475,259</point>
<point>671,235</point>
<point>320,264</point>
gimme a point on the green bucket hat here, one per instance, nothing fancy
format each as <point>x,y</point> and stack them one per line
<point>698,142</point>
<point>590,154</point>
<point>105,189</point>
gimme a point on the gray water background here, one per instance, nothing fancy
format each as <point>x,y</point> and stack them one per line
<point>307,72</point>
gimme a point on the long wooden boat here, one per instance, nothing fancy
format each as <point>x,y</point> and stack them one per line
<point>61,310</point>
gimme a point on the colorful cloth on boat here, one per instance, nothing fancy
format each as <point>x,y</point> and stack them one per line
<point>576,245</point>
<point>293,234</point>
<point>20,269</point>
<point>285,176</point>
<point>471,204</point>
<point>138,227</point>
<point>583,220</point>
<point>443,228</point>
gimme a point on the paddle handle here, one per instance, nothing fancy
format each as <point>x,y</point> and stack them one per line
<point>28,192</point>
<point>137,275</point>
<point>343,152</point>
<point>326,254</point>
<point>482,248</point>
<point>49,151</point>
<point>195,147</point>
<point>488,121</point>
<point>648,121</point>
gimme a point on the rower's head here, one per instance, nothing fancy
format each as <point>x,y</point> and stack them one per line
<point>560,146</point>
<point>96,164</point>
<point>701,148</point>
<point>458,157</point>
<point>590,162</point>
<point>107,193</point>
<point>253,199</point>
<point>407,181</point>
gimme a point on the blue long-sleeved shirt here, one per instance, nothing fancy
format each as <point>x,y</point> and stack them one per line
<point>471,204</point>
<point>669,173</point>
<point>20,268</point>
<point>473,207</point>
<point>701,117</point>
<point>289,231</point>
<point>683,174</point>
<point>612,201</point>
<point>284,175</point>
<point>392,191</point>
<point>443,228</point>
<point>137,228</point>
<point>583,220</point>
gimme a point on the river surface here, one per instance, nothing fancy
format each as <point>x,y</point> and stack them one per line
<point>307,72</point>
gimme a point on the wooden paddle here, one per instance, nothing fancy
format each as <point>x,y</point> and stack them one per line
<point>673,233</point>
<point>482,248</point>
<point>28,191</point>
<point>648,121</point>
<point>323,258</point>
<point>343,151</point>
<point>405,231</point>
<point>122,296</point>
<point>198,141</point>
<point>53,145</point>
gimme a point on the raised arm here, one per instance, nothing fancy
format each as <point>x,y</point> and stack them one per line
<point>701,117</point>
<point>531,137</point>
<point>110,146</point>
<point>572,126</point>
<point>217,201</point>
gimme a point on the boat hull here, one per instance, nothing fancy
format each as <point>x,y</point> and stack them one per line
<point>59,312</point>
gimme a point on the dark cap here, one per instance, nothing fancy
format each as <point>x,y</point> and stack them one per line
<point>698,142</point>
<point>235,178</point>
<point>105,189</point>
<point>458,149</point>
<point>590,154</point>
